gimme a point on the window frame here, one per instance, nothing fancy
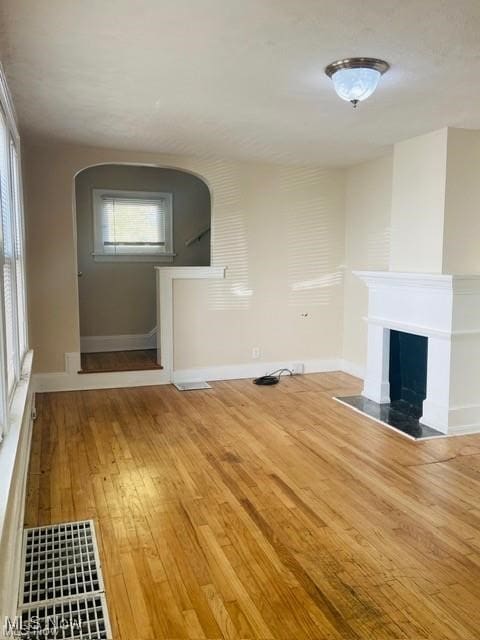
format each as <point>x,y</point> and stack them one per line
<point>99,255</point>
<point>14,185</point>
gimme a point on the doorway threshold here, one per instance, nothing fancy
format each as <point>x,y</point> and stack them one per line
<point>111,361</point>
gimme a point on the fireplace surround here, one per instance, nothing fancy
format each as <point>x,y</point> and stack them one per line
<point>446,310</point>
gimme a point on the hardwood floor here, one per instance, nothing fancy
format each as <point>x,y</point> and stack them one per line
<point>263,512</point>
<point>108,361</point>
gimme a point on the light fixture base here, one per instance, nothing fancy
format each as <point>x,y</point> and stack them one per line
<point>357,63</point>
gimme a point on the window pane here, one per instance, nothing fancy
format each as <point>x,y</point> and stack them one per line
<point>19,254</point>
<point>134,226</point>
<point>8,257</point>
<point>9,325</point>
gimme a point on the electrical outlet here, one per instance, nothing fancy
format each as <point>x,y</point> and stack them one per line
<point>297,368</point>
<point>255,353</point>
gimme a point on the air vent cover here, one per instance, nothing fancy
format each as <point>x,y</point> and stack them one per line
<point>61,561</point>
<point>62,592</point>
<point>83,618</point>
<point>191,386</point>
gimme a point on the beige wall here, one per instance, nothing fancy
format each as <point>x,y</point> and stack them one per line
<point>283,243</point>
<point>279,230</point>
<point>462,203</point>
<point>119,297</point>
<point>367,246</point>
<point>436,203</point>
<point>418,203</point>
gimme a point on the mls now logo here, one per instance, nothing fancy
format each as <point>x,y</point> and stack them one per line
<point>38,627</point>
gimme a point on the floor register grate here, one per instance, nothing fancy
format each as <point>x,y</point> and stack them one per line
<point>191,386</point>
<point>62,591</point>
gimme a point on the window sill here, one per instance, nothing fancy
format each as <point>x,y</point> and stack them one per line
<point>14,457</point>
<point>131,257</point>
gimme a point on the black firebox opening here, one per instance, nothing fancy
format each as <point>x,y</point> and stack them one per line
<point>408,371</point>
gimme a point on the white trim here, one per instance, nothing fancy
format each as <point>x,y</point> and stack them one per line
<point>127,342</point>
<point>352,368</point>
<point>408,327</point>
<point>14,460</point>
<point>133,257</point>
<point>165,278</point>
<point>459,283</point>
<point>418,329</point>
<point>252,370</point>
<point>464,430</point>
<point>63,381</point>
<point>7,104</point>
<point>71,380</point>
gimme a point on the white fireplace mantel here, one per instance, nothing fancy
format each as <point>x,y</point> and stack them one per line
<point>460,283</point>
<point>444,308</point>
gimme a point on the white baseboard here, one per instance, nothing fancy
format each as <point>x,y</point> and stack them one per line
<point>133,342</point>
<point>464,430</point>
<point>463,420</point>
<point>71,380</point>
<point>356,370</point>
<point>62,381</point>
<point>251,370</point>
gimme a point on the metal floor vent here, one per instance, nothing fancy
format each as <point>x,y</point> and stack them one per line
<point>60,561</point>
<point>62,592</point>
<point>73,618</point>
<point>191,386</point>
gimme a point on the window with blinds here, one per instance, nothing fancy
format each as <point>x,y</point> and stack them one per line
<point>132,224</point>
<point>13,322</point>
<point>8,256</point>
<point>19,252</point>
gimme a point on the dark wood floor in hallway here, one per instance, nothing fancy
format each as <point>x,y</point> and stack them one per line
<point>247,512</point>
<point>108,361</point>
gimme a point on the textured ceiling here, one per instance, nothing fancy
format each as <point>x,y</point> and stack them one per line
<point>239,78</point>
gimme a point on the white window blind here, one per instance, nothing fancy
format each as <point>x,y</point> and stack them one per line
<point>133,223</point>
<point>19,253</point>
<point>9,302</point>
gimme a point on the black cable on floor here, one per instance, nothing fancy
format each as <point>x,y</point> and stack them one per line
<point>271,378</point>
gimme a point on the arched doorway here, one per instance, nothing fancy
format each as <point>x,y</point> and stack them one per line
<point>129,219</point>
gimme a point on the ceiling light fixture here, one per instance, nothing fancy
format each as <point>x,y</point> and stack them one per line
<point>355,79</point>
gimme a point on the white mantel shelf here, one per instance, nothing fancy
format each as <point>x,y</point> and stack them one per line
<point>458,283</point>
<point>446,309</point>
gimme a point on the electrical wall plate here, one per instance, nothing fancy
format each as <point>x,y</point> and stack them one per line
<point>297,368</point>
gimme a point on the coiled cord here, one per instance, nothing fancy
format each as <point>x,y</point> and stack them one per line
<point>271,378</point>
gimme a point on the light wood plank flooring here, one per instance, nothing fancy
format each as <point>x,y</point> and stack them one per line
<point>108,361</point>
<point>250,512</point>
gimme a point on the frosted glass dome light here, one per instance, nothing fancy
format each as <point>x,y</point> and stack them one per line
<point>355,79</point>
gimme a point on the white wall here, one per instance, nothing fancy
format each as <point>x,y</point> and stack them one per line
<point>278,230</point>
<point>418,203</point>
<point>367,246</point>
